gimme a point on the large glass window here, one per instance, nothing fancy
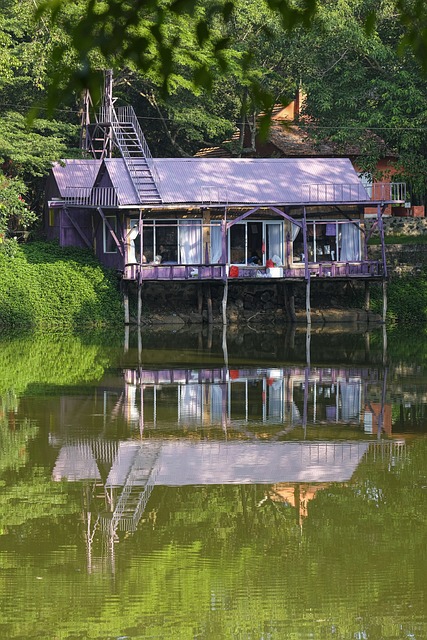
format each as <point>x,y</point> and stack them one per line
<point>329,242</point>
<point>254,242</point>
<point>166,241</point>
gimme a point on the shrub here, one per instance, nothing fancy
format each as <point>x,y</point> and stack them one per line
<point>43,284</point>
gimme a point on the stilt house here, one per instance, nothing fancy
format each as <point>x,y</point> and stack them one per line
<point>214,219</point>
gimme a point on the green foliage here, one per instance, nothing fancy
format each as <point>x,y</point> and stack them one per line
<point>47,359</point>
<point>15,214</point>
<point>151,37</point>
<point>27,151</point>
<point>406,299</point>
<point>44,285</point>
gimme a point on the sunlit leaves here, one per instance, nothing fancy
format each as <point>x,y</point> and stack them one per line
<point>106,28</point>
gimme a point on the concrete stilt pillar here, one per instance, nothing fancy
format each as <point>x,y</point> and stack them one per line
<point>209,302</point>
<point>126,302</point>
<point>384,301</point>
<point>139,304</point>
<point>307,302</point>
<point>224,303</point>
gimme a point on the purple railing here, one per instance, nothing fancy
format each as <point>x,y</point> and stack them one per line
<point>163,272</point>
<point>142,272</point>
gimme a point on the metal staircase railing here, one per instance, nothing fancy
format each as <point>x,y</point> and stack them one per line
<point>141,479</point>
<point>134,149</point>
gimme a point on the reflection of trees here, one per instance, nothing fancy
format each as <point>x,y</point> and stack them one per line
<point>46,358</point>
<point>229,562</point>
<point>14,439</point>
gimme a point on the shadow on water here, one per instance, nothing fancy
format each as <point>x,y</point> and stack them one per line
<point>292,343</point>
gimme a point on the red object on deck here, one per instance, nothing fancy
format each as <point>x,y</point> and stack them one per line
<point>234,272</point>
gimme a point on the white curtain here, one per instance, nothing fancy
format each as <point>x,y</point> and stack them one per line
<point>350,400</point>
<point>275,400</point>
<point>190,240</point>
<point>132,235</point>
<point>216,403</point>
<point>295,229</point>
<point>216,243</point>
<point>274,237</point>
<point>190,403</point>
<point>350,242</point>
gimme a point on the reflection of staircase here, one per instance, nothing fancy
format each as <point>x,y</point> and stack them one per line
<point>133,147</point>
<point>137,489</point>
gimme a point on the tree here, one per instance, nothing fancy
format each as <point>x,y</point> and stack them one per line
<point>362,92</point>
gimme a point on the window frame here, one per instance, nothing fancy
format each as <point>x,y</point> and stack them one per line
<point>106,234</point>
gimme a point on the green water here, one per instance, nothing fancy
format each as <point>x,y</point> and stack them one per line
<point>202,485</point>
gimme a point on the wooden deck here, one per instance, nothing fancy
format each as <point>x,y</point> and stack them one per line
<point>367,269</point>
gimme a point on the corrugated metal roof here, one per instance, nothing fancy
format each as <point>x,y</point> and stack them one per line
<point>75,174</point>
<point>251,180</point>
<point>232,180</point>
<point>121,181</point>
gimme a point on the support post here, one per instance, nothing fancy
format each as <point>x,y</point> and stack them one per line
<point>139,304</point>
<point>224,303</point>
<point>209,302</point>
<point>308,346</point>
<point>126,301</point>
<point>384,301</point>
<point>199,299</point>
<point>139,347</point>
<point>306,270</point>
<point>291,303</point>
<point>381,230</point>
<point>367,296</point>
<point>307,301</point>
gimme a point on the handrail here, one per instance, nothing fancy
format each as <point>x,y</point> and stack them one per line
<point>127,114</point>
<point>354,192</point>
<point>95,197</point>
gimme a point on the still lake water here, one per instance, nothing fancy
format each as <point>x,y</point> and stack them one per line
<point>196,485</point>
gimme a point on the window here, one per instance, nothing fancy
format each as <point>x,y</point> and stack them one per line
<point>256,242</point>
<point>109,242</point>
<point>329,242</point>
<point>166,241</point>
<point>51,217</point>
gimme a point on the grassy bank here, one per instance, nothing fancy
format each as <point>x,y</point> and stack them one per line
<point>43,285</point>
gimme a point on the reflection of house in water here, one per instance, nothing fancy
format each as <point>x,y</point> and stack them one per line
<point>255,408</point>
<point>292,472</point>
<point>232,398</point>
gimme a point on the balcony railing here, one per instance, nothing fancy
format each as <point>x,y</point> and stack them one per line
<point>354,192</point>
<point>158,272</point>
<point>88,197</point>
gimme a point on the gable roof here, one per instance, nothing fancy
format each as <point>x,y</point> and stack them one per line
<point>74,174</point>
<point>238,181</point>
<point>251,180</point>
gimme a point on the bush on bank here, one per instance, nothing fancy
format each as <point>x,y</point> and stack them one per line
<point>406,299</point>
<point>44,285</point>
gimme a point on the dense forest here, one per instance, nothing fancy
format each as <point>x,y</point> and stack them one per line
<point>197,72</point>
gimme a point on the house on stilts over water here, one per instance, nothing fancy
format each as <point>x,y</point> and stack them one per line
<point>215,220</point>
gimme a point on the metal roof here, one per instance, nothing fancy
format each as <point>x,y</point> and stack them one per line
<point>246,181</point>
<point>74,174</point>
<point>121,181</point>
<point>254,180</point>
